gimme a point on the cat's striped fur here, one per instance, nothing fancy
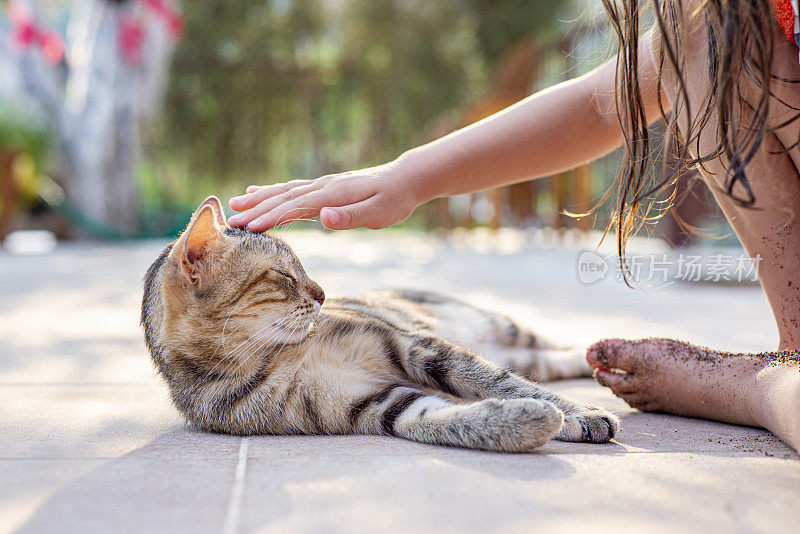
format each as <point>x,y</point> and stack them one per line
<point>238,331</point>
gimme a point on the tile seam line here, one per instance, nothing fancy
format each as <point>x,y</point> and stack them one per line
<point>232,513</point>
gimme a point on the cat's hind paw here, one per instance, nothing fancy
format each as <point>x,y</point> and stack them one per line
<point>592,425</point>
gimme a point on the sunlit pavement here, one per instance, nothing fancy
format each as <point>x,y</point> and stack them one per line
<point>89,441</point>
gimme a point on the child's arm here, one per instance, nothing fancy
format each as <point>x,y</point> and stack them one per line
<point>551,131</point>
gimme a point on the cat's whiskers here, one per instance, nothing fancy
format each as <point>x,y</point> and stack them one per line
<point>289,222</point>
<point>294,222</point>
<point>224,337</point>
<point>285,228</point>
<point>230,355</point>
<point>257,339</point>
<point>264,339</point>
<point>260,336</point>
<point>271,329</point>
<point>254,340</point>
<point>247,342</point>
<point>288,333</point>
<point>317,322</point>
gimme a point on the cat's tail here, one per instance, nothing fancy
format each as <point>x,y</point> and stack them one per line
<point>544,365</point>
<point>501,425</point>
<point>536,357</point>
<point>509,333</point>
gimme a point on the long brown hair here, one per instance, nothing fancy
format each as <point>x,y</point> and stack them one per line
<point>740,43</point>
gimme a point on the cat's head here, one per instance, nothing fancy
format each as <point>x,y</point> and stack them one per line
<point>229,292</point>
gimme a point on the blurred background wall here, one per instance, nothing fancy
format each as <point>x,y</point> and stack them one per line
<point>118,117</point>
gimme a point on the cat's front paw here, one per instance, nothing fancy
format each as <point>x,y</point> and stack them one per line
<point>511,425</point>
<point>588,424</point>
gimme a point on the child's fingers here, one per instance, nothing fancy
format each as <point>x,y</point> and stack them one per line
<point>249,199</point>
<point>256,194</point>
<point>305,206</point>
<point>269,203</point>
<point>271,220</point>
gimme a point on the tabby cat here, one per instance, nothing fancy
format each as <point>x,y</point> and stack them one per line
<point>240,334</point>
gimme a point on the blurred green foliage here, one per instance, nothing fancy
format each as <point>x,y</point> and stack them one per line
<point>280,89</point>
<point>31,145</point>
<point>22,134</point>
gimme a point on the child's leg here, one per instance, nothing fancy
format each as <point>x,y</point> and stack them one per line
<point>739,389</point>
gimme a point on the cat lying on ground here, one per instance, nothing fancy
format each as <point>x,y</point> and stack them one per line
<point>240,334</point>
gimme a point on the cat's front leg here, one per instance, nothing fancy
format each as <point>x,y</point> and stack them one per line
<point>459,372</point>
<point>502,425</point>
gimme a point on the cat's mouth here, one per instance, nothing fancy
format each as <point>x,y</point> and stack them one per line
<point>298,326</point>
<point>296,330</point>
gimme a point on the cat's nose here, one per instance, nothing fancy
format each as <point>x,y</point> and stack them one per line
<point>318,294</point>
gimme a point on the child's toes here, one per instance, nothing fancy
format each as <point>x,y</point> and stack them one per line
<point>619,383</point>
<point>614,354</point>
<point>603,354</point>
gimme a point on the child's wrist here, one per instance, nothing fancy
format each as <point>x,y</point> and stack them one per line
<point>417,176</point>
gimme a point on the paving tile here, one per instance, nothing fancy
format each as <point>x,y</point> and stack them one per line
<point>26,484</point>
<point>276,447</point>
<point>130,494</point>
<point>74,315</point>
<point>649,432</point>
<point>66,421</point>
<point>478,492</point>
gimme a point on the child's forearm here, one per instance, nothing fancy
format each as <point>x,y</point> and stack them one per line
<point>551,131</point>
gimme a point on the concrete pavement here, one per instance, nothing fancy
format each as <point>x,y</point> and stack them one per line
<point>89,441</point>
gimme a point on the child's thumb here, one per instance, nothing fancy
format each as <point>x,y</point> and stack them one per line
<point>344,217</point>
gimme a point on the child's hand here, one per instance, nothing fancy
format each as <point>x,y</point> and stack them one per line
<point>370,198</point>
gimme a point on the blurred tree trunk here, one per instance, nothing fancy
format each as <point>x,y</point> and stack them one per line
<point>8,190</point>
<point>512,82</point>
<point>100,120</point>
<point>94,102</point>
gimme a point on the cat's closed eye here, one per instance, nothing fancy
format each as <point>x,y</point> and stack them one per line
<point>286,275</point>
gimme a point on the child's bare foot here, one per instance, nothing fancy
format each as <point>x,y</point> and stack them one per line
<point>671,376</point>
<point>676,377</point>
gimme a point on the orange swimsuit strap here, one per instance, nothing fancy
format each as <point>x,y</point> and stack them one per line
<point>785,13</point>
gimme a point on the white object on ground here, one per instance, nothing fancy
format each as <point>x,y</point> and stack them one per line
<point>30,242</point>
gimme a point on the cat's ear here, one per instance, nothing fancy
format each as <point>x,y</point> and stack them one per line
<point>201,240</point>
<point>216,206</point>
